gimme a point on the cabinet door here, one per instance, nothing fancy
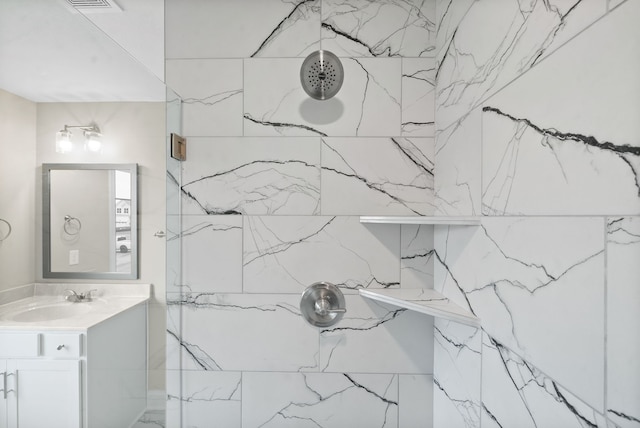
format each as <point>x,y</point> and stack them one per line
<point>47,394</point>
<point>4,391</point>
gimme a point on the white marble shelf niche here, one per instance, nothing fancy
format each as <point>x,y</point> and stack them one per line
<point>445,221</point>
<point>425,301</point>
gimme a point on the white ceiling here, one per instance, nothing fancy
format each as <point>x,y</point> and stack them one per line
<point>49,53</point>
<point>139,29</point>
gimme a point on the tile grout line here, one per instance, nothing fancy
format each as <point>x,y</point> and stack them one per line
<point>482,152</point>
<point>482,334</point>
<point>397,375</point>
<point>243,121</point>
<point>242,397</point>
<point>320,26</point>
<point>606,317</point>
<point>402,67</point>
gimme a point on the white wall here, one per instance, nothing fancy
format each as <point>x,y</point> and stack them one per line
<point>17,187</point>
<point>273,186</point>
<point>537,131</point>
<point>133,133</point>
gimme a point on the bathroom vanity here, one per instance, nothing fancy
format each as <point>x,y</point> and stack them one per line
<point>73,365</point>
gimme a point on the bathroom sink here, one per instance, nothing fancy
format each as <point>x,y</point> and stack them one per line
<point>47,312</point>
<point>56,306</point>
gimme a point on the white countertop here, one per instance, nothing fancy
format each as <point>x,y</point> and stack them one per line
<point>109,300</point>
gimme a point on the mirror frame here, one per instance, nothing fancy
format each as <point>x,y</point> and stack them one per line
<point>46,220</point>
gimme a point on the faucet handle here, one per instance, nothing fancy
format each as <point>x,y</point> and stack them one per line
<point>79,297</point>
<point>87,297</point>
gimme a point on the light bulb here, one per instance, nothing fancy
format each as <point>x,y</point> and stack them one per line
<point>63,142</point>
<point>92,142</point>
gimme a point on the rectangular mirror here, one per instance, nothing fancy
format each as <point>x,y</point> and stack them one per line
<point>90,221</point>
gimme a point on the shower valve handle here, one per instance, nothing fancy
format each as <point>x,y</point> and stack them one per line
<point>323,308</point>
<point>322,304</point>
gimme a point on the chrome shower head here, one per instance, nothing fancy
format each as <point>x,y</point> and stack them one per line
<point>321,75</point>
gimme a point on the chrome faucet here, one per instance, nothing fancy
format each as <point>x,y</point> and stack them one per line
<point>79,297</point>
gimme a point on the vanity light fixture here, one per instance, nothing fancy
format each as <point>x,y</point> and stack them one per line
<point>93,141</point>
<point>92,136</point>
<point>63,141</point>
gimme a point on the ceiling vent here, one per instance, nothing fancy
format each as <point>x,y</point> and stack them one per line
<point>94,6</point>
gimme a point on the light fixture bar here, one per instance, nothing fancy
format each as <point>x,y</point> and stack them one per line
<point>91,128</point>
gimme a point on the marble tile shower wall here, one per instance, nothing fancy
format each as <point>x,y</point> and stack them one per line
<point>537,107</point>
<point>271,193</point>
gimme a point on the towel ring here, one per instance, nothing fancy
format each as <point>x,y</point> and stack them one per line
<point>72,225</point>
<point>8,232</point>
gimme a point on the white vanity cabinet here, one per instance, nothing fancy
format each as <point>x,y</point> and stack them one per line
<point>41,385</point>
<point>57,378</point>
